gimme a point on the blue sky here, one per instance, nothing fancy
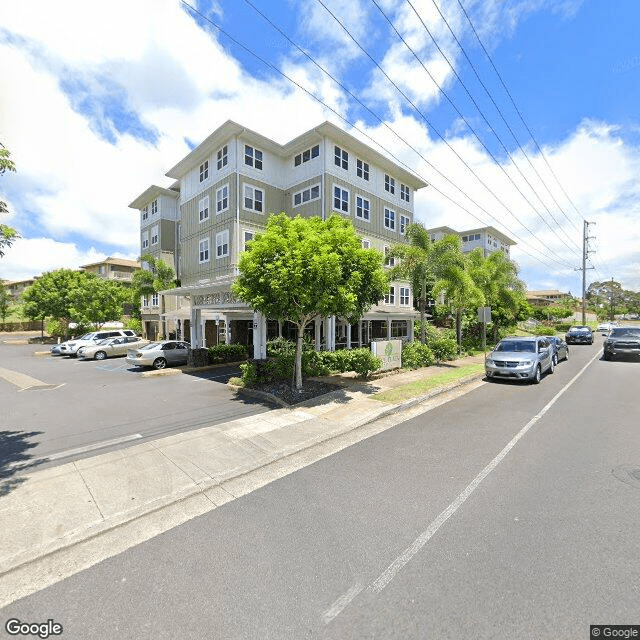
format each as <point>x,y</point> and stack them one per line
<point>98,101</point>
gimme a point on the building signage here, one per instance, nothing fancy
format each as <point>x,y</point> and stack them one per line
<point>389,351</point>
<point>219,297</point>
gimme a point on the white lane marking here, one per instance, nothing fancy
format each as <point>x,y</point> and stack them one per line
<point>92,447</point>
<point>21,380</point>
<point>386,576</point>
<point>341,603</point>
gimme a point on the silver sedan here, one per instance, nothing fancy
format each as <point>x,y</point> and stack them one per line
<point>110,347</point>
<point>159,355</point>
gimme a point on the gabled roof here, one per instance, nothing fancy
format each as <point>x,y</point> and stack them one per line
<point>151,194</point>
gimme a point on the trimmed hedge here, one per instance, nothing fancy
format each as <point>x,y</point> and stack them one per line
<point>416,355</point>
<point>227,353</point>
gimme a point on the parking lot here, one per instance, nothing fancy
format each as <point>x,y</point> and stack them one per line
<point>58,409</point>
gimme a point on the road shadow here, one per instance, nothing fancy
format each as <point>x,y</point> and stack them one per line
<point>15,459</point>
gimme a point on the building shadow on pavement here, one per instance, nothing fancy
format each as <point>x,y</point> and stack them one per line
<point>15,459</point>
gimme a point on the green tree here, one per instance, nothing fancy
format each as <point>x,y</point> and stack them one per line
<point>300,268</point>
<point>97,301</point>
<point>7,234</point>
<point>5,300</point>
<point>145,282</point>
<point>423,262</point>
<point>456,282</point>
<point>497,277</point>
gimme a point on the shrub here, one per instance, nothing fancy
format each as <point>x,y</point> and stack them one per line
<point>416,355</point>
<point>249,373</point>
<point>238,382</point>
<point>55,329</point>
<point>363,362</point>
<point>134,324</point>
<point>227,353</point>
<point>444,349</point>
<point>544,330</point>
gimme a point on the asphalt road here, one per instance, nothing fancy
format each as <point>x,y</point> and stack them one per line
<point>84,405</point>
<point>510,512</point>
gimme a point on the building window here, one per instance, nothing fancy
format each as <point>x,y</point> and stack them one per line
<point>405,296</point>
<point>389,261</point>
<point>204,171</point>
<point>362,169</point>
<point>222,244</point>
<point>389,219</point>
<point>340,199</point>
<point>399,329</point>
<point>389,184</point>
<point>366,244</point>
<point>312,193</point>
<point>222,198</point>
<point>248,237</point>
<point>363,208</point>
<point>155,302</point>
<point>404,192</point>
<point>252,157</point>
<point>253,199</point>
<point>154,207</point>
<point>222,157</point>
<point>203,209</point>
<point>145,214</point>
<point>390,297</point>
<point>203,250</point>
<point>145,240</point>
<point>341,158</point>
<point>306,155</point>
<point>154,235</point>
<point>404,223</point>
<point>145,301</point>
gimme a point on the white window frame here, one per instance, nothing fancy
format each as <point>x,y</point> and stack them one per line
<point>360,200</point>
<point>222,157</point>
<point>203,209</point>
<point>389,183</point>
<point>309,193</point>
<point>145,214</point>
<point>366,243</point>
<point>389,219</point>
<point>253,157</point>
<point>252,198</point>
<point>154,207</point>
<point>390,296</point>
<point>388,262</point>
<point>246,232</point>
<point>340,157</point>
<point>204,253</point>
<point>405,221</point>
<point>362,169</point>
<point>307,155</point>
<point>222,197</point>
<point>145,240</point>
<point>343,191</point>
<point>222,244</point>
<point>405,193</point>
<point>155,300</point>
<point>155,235</point>
<point>405,296</point>
<point>204,171</point>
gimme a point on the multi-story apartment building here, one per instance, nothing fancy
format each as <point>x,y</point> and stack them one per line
<point>224,190</point>
<point>488,238</point>
<point>113,269</point>
<point>17,287</point>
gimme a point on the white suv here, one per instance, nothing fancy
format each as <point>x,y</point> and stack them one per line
<point>70,347</point>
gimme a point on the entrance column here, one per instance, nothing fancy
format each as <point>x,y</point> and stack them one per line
<point>348,336</point>
<point>389,328</point>
<point>196,327</point>
<point>360,333</point>
<point>259,336</point>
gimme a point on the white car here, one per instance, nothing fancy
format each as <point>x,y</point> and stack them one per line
<point>605,327</point>
<point>111,347</point>
<point>70,347</point>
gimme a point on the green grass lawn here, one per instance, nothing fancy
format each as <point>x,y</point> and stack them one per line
<point>422,387</point>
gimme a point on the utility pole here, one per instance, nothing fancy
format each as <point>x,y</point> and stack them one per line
<point>585,254</point>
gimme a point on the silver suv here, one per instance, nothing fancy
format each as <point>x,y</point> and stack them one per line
<point>70,347</point>
<point>520,359</point>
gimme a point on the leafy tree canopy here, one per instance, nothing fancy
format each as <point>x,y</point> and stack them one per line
<point>157,277</point>
<point>7,234</point>
<point>300,268</point>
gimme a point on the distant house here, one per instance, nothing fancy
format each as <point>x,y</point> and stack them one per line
<point>114,269</point>
<point>487,238</point>
<point>547,297</point>
<point>16,287</point>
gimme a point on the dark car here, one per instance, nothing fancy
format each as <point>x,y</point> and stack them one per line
<point>560,348</point>
<point>622,341</point>
<point>579,334</point>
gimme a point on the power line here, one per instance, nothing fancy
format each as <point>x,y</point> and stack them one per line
<point>417,110</point>
<point>355,127</point>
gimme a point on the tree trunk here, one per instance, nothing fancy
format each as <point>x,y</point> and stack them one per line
<point>423,303</point>
<point>298,364</point>
<point>459,328</point>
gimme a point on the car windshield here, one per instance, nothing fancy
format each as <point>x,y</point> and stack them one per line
<point>517,345</point>
<point>151,345</point>
<point>86,336</point>
<point>580,329</point>
<point>626,331</point>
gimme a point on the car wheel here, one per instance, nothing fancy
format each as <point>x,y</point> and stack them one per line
<point>100,355</point>
<point>538,375</point>
<point>159,363</point>
<point>555,360</point>
<point>552,365</point>
<point>606,356</point>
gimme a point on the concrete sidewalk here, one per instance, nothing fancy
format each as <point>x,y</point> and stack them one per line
<point>60,520</point>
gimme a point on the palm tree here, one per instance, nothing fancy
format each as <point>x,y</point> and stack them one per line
<point>423,262</point>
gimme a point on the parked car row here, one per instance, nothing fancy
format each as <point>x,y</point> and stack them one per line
<point>138,352</point>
